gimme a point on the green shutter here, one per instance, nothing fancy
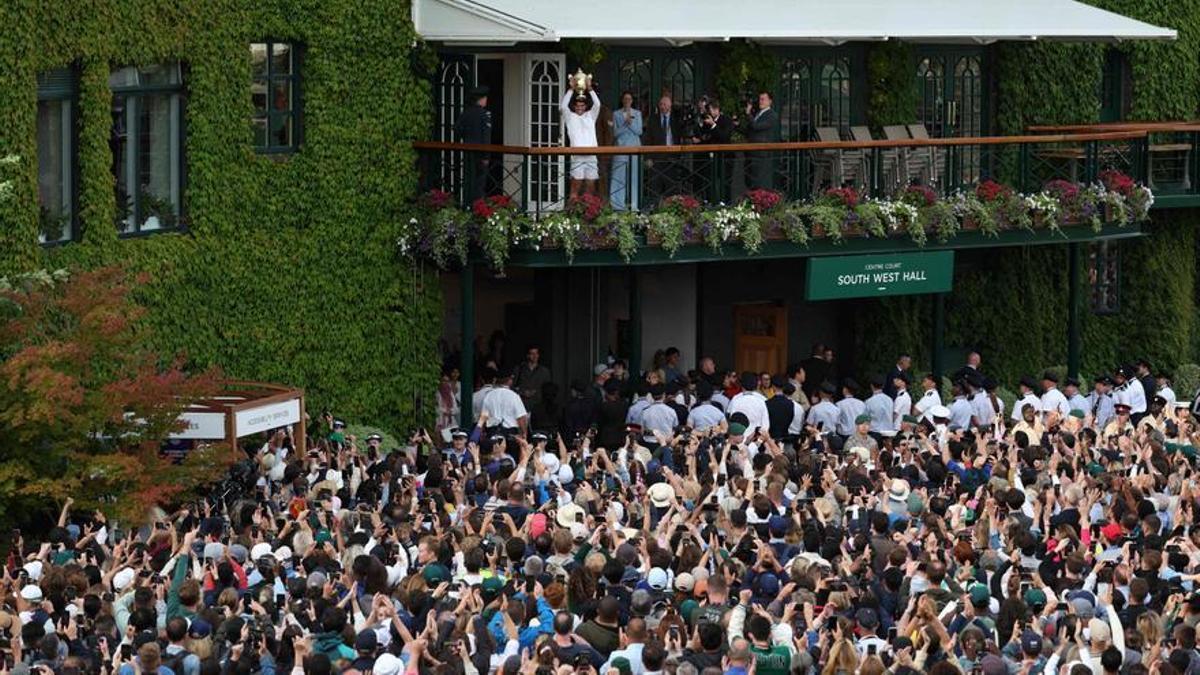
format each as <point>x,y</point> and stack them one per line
<point>57,83</point>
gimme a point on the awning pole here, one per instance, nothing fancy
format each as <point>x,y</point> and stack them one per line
<point>466,387</point>
<point>1073,292</point>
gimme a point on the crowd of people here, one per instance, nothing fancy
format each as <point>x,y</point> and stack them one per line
<point>687,522</point>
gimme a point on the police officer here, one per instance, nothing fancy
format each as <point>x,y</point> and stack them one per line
<point>475,126</point>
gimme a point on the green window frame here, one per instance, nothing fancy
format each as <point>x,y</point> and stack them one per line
<point>147,143</point>
<point>276,95</point>
<point>1116,86</point>
<point>57,143</point>
<point>819,87</point>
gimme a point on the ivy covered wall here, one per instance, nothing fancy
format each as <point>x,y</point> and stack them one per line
<point>1011,303</point>
<point>287,270</point>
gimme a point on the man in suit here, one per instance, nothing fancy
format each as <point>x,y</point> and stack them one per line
<point>761,127</point>
<point>664,128</point>
<point>903,364</point>
<point>474,125</point>
<point>780,409</point>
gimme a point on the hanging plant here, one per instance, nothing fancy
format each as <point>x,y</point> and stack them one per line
<point>970,209</point>
<point>941,220</point>
<point>667,228</point>
<point>871,219</point>
<point>826,221</point>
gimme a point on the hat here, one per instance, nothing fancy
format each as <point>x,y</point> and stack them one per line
<point>122,579</point>
<point>1121,407</point>
<point>339,424</point>
<point>940,411</point>
<point>387,664</point>
<point>283,553</point>
<point>478,92</point>
<point>621,665</point>
<point>1050,376</point>
<point>567,514</point>
<point>317,579</point>
<point>458,433</point>
<point>767,585</point>
<point>238,553</point>
<point>491,587</point>
<point>862,419</point>
<point>31,593</point>
<point>565,474</point>
<point>366,641</point>
<point>1111,532</point>
<point>199,628</point>
<point>260,549</point>
<point>214,550</point>
<point>579,532</point>
<point>1035,597</point>
<point>980,595</point>
<point>867,618</point>
<point>538,437</point>
<point>657,578</point>
<point>600,369</point>
<point>911,419</point>
<point>435,574</point>
<point>685,582</point>
<point>34,570</point>
<point>899,490</point>
<point>661,494</point>
<point>737,429</point>
<point>1077,413</point>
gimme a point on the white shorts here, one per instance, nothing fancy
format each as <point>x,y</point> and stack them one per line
<point>585,167</point>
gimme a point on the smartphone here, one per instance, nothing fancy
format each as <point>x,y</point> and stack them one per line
<point>891,634</point>
<point>126,652</point>
<point>529,583</point>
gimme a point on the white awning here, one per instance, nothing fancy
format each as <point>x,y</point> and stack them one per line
<point>676,22</point>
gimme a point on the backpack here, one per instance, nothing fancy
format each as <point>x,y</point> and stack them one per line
<point>175,661</point>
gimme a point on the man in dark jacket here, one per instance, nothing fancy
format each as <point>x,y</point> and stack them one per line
<point>780,408</point>
<point>474,125</point>
<point>717,129</point>
<point>663,127</point>
<point>761,127</point>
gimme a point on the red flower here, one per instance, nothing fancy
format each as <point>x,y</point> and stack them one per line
<point>500,202</point>
<point>486,207</point>
<point>686,206</point>
<point>920,195</point>
<point>989,191</point>
<point>436,200</point>
<point>846,195</point>
<point>587,206</point>
<point>763,200</point>
<point>1065,190</point>
<point>1115,181</point>
<point>481,209</point>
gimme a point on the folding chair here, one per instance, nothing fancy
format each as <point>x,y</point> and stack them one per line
<point>931,158</point>
<point>889,159</point>
<point>828,163</point>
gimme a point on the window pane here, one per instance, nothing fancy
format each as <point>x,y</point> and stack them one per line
<point>258,59</point>
<point>123,77</point>
<point>281,130</point>
<point>158,133</point>
<point>281,95</point>
<point>54,162</point>
<point>119,143</point>
<point>260,131</point>
<point>258,94</point>
<point>281,59</point>
<point>159,74</point>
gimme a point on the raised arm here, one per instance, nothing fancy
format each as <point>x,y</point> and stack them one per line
<point>594,112</point>
<point>565,104</point>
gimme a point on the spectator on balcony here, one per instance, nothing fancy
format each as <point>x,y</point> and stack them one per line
<point>761,126</point>
<point>627,132</point>
<point>474,125</point>
<point>717,129</point>
<point>580,121</point>
<point>664,128</point>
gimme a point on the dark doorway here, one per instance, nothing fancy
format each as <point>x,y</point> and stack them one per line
<point>490,74</point>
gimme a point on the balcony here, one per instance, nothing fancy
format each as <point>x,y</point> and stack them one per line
<point>651,205</point>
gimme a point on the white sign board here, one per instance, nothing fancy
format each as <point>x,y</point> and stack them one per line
<point>267,417</point>
<point>202,426</point>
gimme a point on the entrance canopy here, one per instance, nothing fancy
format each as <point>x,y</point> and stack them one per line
<point>502,22</point>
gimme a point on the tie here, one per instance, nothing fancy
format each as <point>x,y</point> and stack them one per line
<point>666,130</point>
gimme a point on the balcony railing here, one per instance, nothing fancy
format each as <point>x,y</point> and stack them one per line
<point>538,179</point>
<point>1171,161</point>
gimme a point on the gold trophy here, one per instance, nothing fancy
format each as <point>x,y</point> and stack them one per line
<point>581,82</point>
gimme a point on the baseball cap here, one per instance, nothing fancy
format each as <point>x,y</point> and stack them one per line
<point>685,582</point>
<point>1031,643</point>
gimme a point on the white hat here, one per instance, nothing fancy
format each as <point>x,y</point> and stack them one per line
<point>579,531</point>
<point>122,579</point>
<point>600,369</point>
<point>387,664</point>
<point>214,550</point>
<point>661,494</point>
<point>899,490</point>
<point>863,454</point>
<point>567,513</point>
<point>31,593</point>
<point>657,578</point>
<point>260,549</point>
<point>283,553</point>
<point>34,570</point>
<point>551,462</point>
<point>565,475</point>
<point>685,582</point>
<point>616,510</point>
<point>939,411</point>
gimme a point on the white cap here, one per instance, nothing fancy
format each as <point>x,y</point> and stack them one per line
<point>31,593</point>
<point>214,550</point>
<point>551,462</point>
<point>34,570</point>
<point>283,553</point>
<point>939,411</point>
<point>565,475</point>
<point>388,664</point>
<point>579,531</point>
<point>122,579</point>
<point>657,578</point>
<point>260,549</point>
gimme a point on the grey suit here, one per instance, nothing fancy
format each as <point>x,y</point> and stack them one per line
<point>762,128</point>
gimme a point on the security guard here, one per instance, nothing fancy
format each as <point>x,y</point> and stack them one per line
<point>930,399</point>
<point>474,125</point>
<point>1100,402</point>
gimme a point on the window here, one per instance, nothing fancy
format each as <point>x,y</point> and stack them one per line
<point>1104,274</point>
<point>56,156</point>
<point>147,146</point>
<point>276,94</point>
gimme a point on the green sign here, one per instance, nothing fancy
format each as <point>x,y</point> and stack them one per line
<point>869,276</point>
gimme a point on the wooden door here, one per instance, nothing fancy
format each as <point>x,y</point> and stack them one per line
<point>760,338</point>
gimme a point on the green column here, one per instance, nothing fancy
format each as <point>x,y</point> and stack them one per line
<point>1073,292</point>
<point>635,324</point>
<point>466,416</point>
<point>939,330</point>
